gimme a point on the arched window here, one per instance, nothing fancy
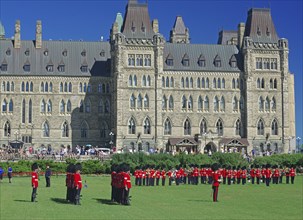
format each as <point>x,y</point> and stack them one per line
<point>131,126</point>
<point>262,83</point>
<point>214,83</point>
<point>267,104</point>
<point>271,84</point>
<point>184,102</point>
<point>130,81</point>
<point>3,88</point>
<point>7,129</point>
<point>191,82</point>
<point>8,87</point>
<point>87,106</point>
<point>203,127</point>
<point>206,104</point>
<point>84,87</point>
<point>62,106</point>
<point>69,106</point>
<point>104,130</point>
<point>233,84</point>
<point>31,87</point>
<point>4,106</point>
<point>187,82</point>
<point>200,103</point>
<point>275,84</point>
<point>61,87</point>
<point>273,104</point>
<point>219,83</point>
<point>258,83</point>
<point>100,107</point>
<point>222,104</point>
<point>132,101</point>
<point>146,102</point>
<point>274,127</point>
<point>235,104</point>
<point>50,87</point>
<point>219,127</point>
<point>27,87</point>
<point>107,106</point>
<point>81,107</point>
<point>42,106</point>
<point>100,87</point>
<point>171,103</point>
<point>135,81</point>
<point>139,102</point>
<point>45,129</point>
<point>198,83</point>
<point>23,111</point>
<point>147,126</point>
<point>22,87</point>
<point>203,83</point>
<point>49,106</point>
<point>216,104</point>
<point>12,87</point>
<point>65,130</point>
<point>84,130</point>
<point>207,83</point>
<point>190,103</point>
<point>46,87</point>
<point>163,82</point>
<point>187,127</point>
<point>261,104</point>
<point>260,127</point>
<point>42,87</point>
<point>238,127</point>
<point>108,88</point>
<point>144,80</point>
<point>148,81</point>
<point>223,83</point>
<point>172,82</point>
<point>30,111</point>
<point>70,87</point>
<point>164,103</point>
<point>182,82</point>
<point>167,127</point>
<point>237,84</point>
<point>167,82</point>
<point>10,106</point>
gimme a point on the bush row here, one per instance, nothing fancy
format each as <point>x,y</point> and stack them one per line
<point>157,160</point>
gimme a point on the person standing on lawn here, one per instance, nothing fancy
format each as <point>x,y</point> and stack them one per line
<point>292,174</point>
<point>34,181</point>
<point>48,174</point>
<point>267,173</point>
<point>216,181</point>
<point>77,183</point>
<point>10,174</point>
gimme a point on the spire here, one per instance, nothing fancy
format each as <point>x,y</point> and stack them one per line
<point>17,37</point>
<point>119,20</point>
<point>179,33</point>
<point>38,34</point>
<point>2,31</point>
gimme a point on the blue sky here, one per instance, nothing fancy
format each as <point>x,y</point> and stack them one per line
<point>89,20</point>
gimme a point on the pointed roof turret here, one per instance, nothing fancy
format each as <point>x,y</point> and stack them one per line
<point>2,31</point>
<point>119,21</point>
<point>260,26</point>
<point>137,23</point>
<point>179,33</point>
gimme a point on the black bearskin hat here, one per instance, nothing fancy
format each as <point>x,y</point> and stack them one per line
<point>215,166</point>
<point>78,167</point>
<point>34,166</point>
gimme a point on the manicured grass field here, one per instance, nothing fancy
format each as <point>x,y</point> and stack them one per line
<point>175,202</point>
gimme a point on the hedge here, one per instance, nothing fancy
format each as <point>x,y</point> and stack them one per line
<point>23,167</point>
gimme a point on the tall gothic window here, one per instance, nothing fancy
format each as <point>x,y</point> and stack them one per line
<point>273,104</point>
<point>172,82</point>
<point>235,104</point>
<point>238,127</point>
<point>84,130</point>
<point>62,106</point>
<point>260,127</point>
<point>45,129</point>
<point>187,127</point>
<point>144,80</point>
<point>69,106</point>
<point>7,129</point>
<point>274,127</point>
<point>107,106</point>
<point>171,103</point>
<point>23,111</point>
<point>130,80</point>
<point>190,103</point>
<point>184,101</point>
<point>146,102</point>
<point>203,127</point>
<point>87,106</point>
<point>207,83</point>
<point>139,102</point>
<point>267,104</point>
<point>261,104</point>
<point>131,126</point>
<point>4,106</point>
<point>132,101</point>
<point>219,127</point>
<point>222,104</point>
<point>164,102</point>
<point>65,130</point>
<point>81,107</point>
<point>101,106</point>
<point>148,81</point>
<point>167,127</point>
<point>206,104</point>
<point>104,130</point>
<point>49,106</point>
<point>147,126</point>
<point>42,106</point>
<point>30,111</point>
<point>200,104</point>
<point>11,106</point>
<point>216,104</point>
<point>182,82</point>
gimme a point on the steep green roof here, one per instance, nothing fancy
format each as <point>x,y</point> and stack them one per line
<point>119,20</point>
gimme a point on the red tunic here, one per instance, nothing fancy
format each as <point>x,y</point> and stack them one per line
<point>127,181</point>
<point>163,174</point>
<point>292,172</point>
<point>258,173</point>
<point>77,181</point>
<point>244,174</point>
<point>216,179</point>
<point>267,173</point>
<point>34,180</point>
<point>252,173</point>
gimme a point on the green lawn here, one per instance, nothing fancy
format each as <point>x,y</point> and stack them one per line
<point>175,202</point>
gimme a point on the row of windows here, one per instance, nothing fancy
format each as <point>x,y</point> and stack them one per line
<point>48,87</point>
<point>46,52</point>
<point>203,104</point>
<point>217,62</point>
<point>261,127</point>
<point>272,83</point>
<point>139,60</point>
<point>139,102</point>
<point>267,104</point>
<point>266,63</point>
<point>132,81</point>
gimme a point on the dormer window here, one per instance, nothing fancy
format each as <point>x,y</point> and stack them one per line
<point>61,68</point>
<point>201,61</point>
<point>258,31</point>
<point>27,67</point>
<point>26,52</point>
<point>83,53</point>
<point>8,52</point>
<point>64,53</point>
<point>233,61</point>
<point>133,27</point>
<point>45,53</point>
<point>143,28</point>
<point>50,68</point>
<point>84,68</point>
<point>170,60</point>
<point>267,32</point>
<point>217,61</point>
<point>185,60</point>
<point>102,54</point>
<point>4,67</point>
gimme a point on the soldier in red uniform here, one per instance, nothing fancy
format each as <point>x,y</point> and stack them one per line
<point>263,173</point>
<point>276,175</point>
<point>216,182</point>
<point>229,173</point>
<point>69,183</point>
<point>196,175</point>
<point>258,174</point>
<point>267,173</point>
<point>252,174</point>
<point>224,174</point>
<point>157,175</point>
<point>244,175</point>
<point>34,181</point>
<point>292,174</point>
<point>126,184</point>
<point>234,174</point>
<point>170,176</point>
<point>238,175</point>
<point>203,174</point>
<point>282,173</point>
<point>140,175</point>
<point>163,176</point>
<point>77,183</point>
<point>136,174</point>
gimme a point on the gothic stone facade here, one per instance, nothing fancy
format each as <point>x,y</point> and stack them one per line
<point>151,93</point>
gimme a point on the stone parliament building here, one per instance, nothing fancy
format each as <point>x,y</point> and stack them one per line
<point>140,91</point>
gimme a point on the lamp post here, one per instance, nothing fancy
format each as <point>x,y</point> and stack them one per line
<point>298,144</point>
<point>16,133</point>
<point>111,134</point>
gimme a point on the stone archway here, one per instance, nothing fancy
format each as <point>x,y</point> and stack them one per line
<point>210,147</point>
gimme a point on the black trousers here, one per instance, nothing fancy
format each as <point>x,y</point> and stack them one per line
<point>203,179</point>
<point>224,180</point>
<point>287,179</point>
<point>243,181</point>
<point>47,179</point>
<point>292,178</point>
<point>169,181</point>
<point>163,181</point>
<point>267,180</point>
<point>77,197</point>
<point>258,180</point>
<point>281,179</point>
<point>34,194</point>
<point>157,181</point>
<point>252,180</point>
<point>215,193</point>
<point>144,181</point>
<point>228,180</point>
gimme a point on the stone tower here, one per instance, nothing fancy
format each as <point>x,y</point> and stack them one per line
<point>179,33</point>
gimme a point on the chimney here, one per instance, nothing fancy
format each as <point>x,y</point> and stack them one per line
<point>38,34</point>
<point>17,38</point>
<point>241,30</point>
<point>155,25</point>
